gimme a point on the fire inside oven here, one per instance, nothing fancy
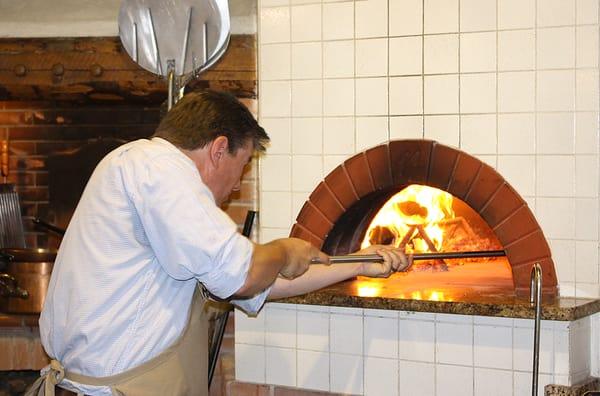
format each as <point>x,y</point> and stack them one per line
<point>424,219</point>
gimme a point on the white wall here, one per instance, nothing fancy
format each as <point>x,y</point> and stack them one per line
<point>514,82</point>
<point>77,18</point>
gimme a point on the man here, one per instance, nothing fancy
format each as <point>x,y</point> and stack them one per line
<point>124,313</point>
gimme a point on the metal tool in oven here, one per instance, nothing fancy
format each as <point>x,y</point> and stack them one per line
<point>374,258</point>
<point>176,39</point>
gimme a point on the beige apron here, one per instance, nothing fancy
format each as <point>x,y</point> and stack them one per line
<point>182,369</point>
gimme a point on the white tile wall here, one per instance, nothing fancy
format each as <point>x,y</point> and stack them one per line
<point>370,352</point>
<point>514,82</point>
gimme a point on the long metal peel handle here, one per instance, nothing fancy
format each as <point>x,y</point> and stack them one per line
<point>374,258</point>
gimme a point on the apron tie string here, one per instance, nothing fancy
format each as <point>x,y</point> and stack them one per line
<point>52,375</point>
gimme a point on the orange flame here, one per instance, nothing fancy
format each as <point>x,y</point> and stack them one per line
<point>416,205</point>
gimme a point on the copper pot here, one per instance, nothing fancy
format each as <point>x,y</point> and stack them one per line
<point>25,278</point>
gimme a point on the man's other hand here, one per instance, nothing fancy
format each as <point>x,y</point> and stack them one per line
<point>299,254</point>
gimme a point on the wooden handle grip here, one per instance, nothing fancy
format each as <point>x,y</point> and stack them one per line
<point>4,158</point>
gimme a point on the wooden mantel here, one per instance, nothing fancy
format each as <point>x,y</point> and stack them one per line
<point>98,70</point>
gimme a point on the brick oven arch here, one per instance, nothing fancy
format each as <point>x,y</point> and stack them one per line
<point>399,163</point>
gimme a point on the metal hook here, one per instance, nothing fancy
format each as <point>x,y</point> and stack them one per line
<point>535,298</point>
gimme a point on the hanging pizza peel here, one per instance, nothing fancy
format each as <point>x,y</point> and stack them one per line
<point>175,39</point>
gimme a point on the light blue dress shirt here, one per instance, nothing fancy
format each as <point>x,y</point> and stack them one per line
<point>145,231</point>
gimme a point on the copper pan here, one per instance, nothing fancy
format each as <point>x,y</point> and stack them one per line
<point>25,278</point>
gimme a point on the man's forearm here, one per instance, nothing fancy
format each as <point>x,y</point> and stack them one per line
<point>267,261</point>
<point>317,277</point>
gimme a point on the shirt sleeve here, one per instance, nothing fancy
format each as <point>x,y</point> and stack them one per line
<point>190,236</point>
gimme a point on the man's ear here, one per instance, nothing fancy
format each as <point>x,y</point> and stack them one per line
<point>218,148</point>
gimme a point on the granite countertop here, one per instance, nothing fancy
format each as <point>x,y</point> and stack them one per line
<point>395,294</point>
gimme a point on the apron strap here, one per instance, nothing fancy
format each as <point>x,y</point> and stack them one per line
<point>55,373</point>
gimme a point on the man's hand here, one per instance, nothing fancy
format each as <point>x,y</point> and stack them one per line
<point>394,260</point>
<point>299,253</point>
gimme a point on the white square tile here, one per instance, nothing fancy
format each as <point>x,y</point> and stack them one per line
<point>440,54</point>
<point>519,171</point>
<point>586,176</point>
<point>586,221</point>
<point>381,337</point>
<point>338,58</point>
<point>556,48</point>
<point>587,11</point>
<point>270,234</point>
<point>555,176</point>
<point>370,132</point>
<point>587,90</point>
<point>275,99</point>
<point>516,50</point>
<point>371,18</point>
<point>371,57</point>
<point>477,52</point>
<point>338,21</point>
<point>313,370</point>
<point>453,380</point>
<point>493,347</point>
<point>425,316</point>
<point>406,95</point>
<point>563,255</point>
<point>556,217</point>
<point>307,98</point>
<point>476,15</point>
<point>250,363</point>
<point>417,340</point>
<point>555,12</point>
<point>555,133</point>
<point>307,136</point>
<point>585,290</point>
<point>313,331</point>
<point>522,383</point>
<point>298,201</point>
<point>275,62</point>
<point>279,130</point>
<point>516,134</point>
<point>338,97</point>
<point>346,310</point>
<point>306,22</point>
<point>406,127</point>
<point>406,17</point>
<point>338,135</point>
<point>493,382</point>
<point>346,374</point>
<point>516,14</point>
<point>441,16</point>
<point>556,90</point>
<point>587,138</point>
<point>371,96</point>
<point>454,343</point>
<point>405,55</point>
<point>443,129</point>
<point>280,327</point>
<point>307,172</point>
<point>380,313</point>
<point>381,377</point>
<point>478,93</point>
<point>306,60</point>
<point>478,133</point>
<point>523,350</point>
<point>586,261</point>
<point>330,162</point>
<point>249,330</point>
<point>275,173</point>
<point>516,91</point>
<point>416,378</point>
<point>273,3</point>
<point>274,25</point>
<point>277,211</point>
<point>587,46</point>
<point>346,334</point>
<point>493,321</point>
<point>453,318</point>
<point>441,94</point>
<point>281,366</point>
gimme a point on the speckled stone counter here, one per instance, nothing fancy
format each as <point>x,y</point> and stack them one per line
<point>390,294</point>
